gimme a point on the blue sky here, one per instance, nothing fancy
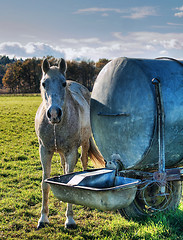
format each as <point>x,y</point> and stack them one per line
<point>91,29</point>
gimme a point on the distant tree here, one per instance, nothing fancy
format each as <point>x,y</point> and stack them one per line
<point>52,61</point>
<point>36,74</point>
<point>10,79</point>
<point>4,60</point>
<point>2,72</point>
<point>7,79</point>
<point>82,72</point>
<point>22,77</point>
<point>72,70</point>
<point>31,74</point>
<point>100,64</point>
<point>87,73</point>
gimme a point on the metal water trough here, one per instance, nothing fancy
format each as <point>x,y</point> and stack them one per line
<point>100,189</point>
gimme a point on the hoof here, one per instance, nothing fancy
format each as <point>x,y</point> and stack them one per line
<point>70,226</point>
<point>42,225</point>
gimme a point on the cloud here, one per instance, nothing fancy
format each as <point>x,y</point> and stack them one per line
<point>141,12</point>
<point>80,40</point>
<point>132,13</point>
<point>175,24</point>
<point>150,44</point>
<point>164,52</point>
<point>171,44</point>
<point>180,8</point>
<point>105,14</point>
<point>31,49</point>
<point>154,39</point>
<point>180,13</point>
<point>133,44</point>
<point>95,10</point>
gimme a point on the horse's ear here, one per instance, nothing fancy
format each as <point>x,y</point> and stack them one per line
<point>62,66</point>
<point>45,65</point>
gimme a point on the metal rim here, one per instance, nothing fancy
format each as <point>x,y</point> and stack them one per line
<point>149,200</point>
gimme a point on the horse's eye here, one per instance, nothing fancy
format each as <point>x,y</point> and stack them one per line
<point>64,84</point>
<point>43,84</point>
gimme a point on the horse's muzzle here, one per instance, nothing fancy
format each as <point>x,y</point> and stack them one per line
<point>54,114</point>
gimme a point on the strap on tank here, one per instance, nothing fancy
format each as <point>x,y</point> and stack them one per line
<point>161,133</point>
<point>172,59</point>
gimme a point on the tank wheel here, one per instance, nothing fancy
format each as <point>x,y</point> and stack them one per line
<point>149,201</point>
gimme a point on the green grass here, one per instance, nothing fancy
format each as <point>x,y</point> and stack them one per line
<point>20,190</point>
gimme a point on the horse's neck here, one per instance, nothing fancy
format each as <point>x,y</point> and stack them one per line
<point>69,107</point>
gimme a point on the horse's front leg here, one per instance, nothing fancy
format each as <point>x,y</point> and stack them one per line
<point>45,157</point>
<point>71,160</point>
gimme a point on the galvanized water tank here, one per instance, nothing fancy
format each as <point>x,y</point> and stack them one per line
<point>124,111</point>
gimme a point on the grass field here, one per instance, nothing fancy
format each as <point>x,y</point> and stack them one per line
<point>20,190</point>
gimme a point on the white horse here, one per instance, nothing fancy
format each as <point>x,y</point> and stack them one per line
<point>62,124</point>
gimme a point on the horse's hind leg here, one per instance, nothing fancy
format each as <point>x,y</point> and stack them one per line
<point>84,154</point>
<point>46,157</point>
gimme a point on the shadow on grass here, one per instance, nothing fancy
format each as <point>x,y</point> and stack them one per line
<point>18,158</point>
<point>171,222</point>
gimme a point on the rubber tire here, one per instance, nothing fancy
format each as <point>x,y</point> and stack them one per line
<point>134,211</point>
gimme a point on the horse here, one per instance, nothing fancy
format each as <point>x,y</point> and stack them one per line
<point>62,124</point>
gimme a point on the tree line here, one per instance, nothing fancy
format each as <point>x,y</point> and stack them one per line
<point>23,76</point>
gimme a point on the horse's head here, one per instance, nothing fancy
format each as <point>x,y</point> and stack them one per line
<point>53,90</point>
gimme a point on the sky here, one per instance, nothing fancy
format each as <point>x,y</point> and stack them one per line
<point>91,29</point>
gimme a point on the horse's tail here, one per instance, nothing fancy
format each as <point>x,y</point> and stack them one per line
<point>95,155</point>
